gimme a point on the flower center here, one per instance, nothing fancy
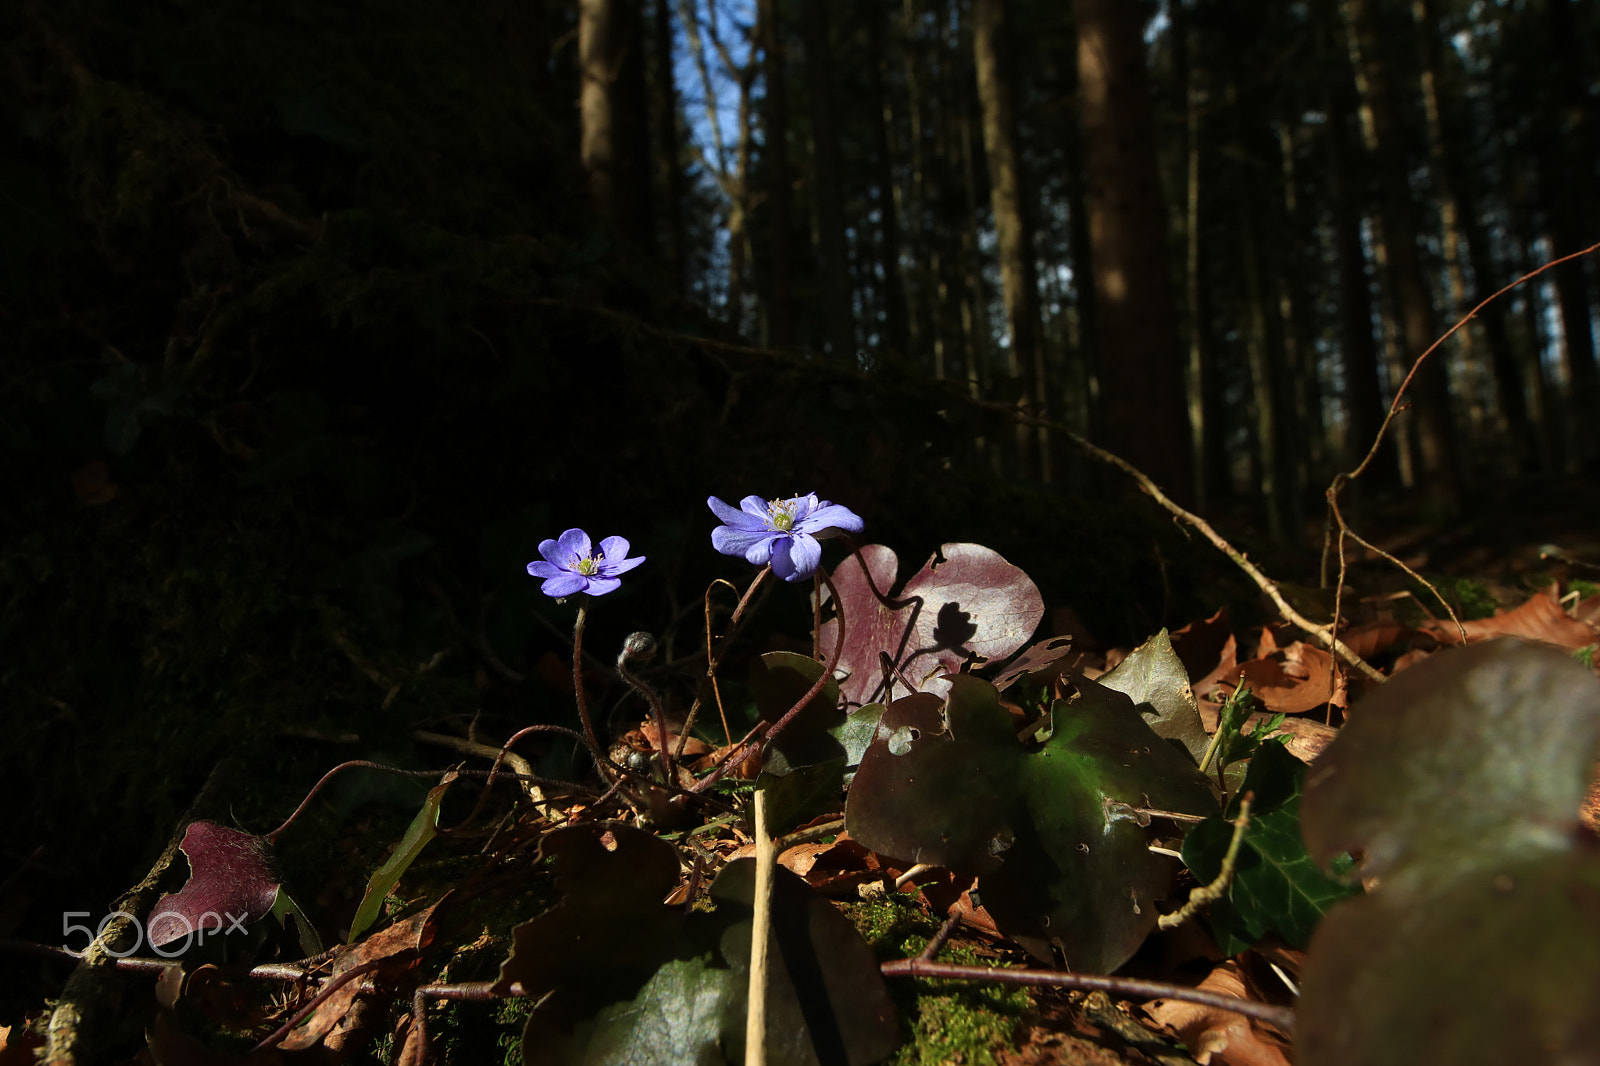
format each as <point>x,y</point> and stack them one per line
<point>780,514</point>
<point>587,567</point>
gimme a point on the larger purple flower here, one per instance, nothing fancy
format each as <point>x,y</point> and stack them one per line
<point>571,565</point>
<point>783,533</point>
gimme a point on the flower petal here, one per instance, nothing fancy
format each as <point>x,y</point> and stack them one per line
<point>621,566</point>
<point>615,549</point>
<point>756,508</point>
<point>551,550</point>
<point>830,516</point>
<point>803,554</point>
<point>804,505</point>
<point>737,518</point>
<point>564,585</point>
<point>540,568</point>
<point>599,586</point>
<point>731,541</point>
<point>574,542</point>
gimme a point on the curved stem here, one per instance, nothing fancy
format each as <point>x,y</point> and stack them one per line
<point>601,762</point>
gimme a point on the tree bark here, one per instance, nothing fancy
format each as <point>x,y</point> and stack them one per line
<point>779,302</point>
<point>1141,372</point>
<point>837,311</point>
<point>615,143</point>
<point>1418,324</point>
<point>1013,228</point>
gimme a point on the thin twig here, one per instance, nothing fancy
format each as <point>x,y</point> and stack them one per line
<point>1206,894</point>
<point>1129,987</point>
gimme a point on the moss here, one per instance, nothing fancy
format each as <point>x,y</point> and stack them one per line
<point>941,1021</point>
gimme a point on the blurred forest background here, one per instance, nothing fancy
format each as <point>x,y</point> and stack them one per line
<point>316,317</point>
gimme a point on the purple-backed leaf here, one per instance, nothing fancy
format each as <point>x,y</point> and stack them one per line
<point>231,881</point>
<point>966,603</point>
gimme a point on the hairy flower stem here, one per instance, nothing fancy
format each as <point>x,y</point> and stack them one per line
<point>601,762</point>
<point>758,739</point>
<point>714,653</point>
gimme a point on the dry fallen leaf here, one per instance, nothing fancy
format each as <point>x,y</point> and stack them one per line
<point>1215,1036</point>
<point>1540,618</point>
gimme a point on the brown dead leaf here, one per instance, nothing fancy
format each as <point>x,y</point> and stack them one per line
<point>1216,1036</point>
<point>1372,639</point>
<point>646,736</point>
<point>390,952</point>
<point>1293,679</point>
<point>1540,618</point>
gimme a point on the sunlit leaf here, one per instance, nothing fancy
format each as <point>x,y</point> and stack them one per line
<point>386,877</point>
<point>1157,682</point>
<point>231,880</point>
<point>967,602</point>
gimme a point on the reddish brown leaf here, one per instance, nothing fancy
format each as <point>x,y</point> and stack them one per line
<point>1293,679</point>
<point>1540,618</point>
<point>394,950</point>
<point>966,603</point>
<point>231,881</point>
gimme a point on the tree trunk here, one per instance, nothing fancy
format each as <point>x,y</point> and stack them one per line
<point>1141,372</point>
<point>1567,189</point>
<point>894,293</point>
<point>668,169</point>
<point>1418,325</point>
<point>780,333</point>
<point>828,193</point>
<point>615,144</point>
<point>1013,230</point>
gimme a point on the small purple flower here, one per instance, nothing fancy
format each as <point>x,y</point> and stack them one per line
<point>783,533</point>
<point>571,565</point>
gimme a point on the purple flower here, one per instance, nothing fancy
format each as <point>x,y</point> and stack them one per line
<point>783,533</point>
<point>571,565</point>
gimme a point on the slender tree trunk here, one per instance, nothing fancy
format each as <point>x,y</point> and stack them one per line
<point>837,310</point>
<point>1567,189</point>
<point>668,169</point>
<point>780,333</point>
<point>1141,371</point>
<point>615,145</point>
<point>1418,324</point>
<point>894,293</point>
<point>1013,229</point>
<point>1510,394</point>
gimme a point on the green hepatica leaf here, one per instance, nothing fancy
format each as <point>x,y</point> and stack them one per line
<point>1461,779</point>
<point>826,1000</point>
<point>1081,872</point>
<point>939,783</point>
<point>1481,747</point>
<point>1157,682</point>
<point>1276,888</point>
